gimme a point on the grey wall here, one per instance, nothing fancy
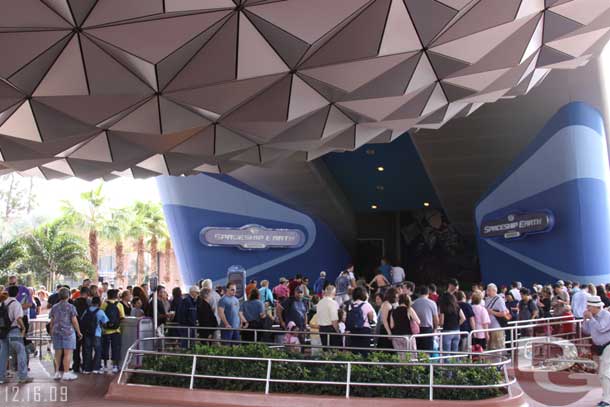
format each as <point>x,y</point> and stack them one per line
<point>309,187</point>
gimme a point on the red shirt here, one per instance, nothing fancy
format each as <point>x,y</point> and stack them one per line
<point>292,285</point>
<point>433,297</point>
<point>249,288</point>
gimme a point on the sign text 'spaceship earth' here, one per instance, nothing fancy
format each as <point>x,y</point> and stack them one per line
<point>517,225</point>
<point>252,237</point>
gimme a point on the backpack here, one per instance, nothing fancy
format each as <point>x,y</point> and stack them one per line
<point>88,323</point>
<point>286,309</point>
<point>112,312</point>
<point>355,318</point>
<point>5,320</point>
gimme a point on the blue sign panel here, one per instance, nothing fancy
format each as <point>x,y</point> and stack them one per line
<point>252,237</point>
<point>517,225</point>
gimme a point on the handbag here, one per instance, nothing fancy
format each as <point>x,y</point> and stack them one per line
<point>502,321</point>
<point>414,326</point>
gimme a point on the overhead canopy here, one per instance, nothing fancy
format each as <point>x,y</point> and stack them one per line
<point>139,88</point>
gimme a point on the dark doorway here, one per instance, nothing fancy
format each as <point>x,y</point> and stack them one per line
<point>369,252</point>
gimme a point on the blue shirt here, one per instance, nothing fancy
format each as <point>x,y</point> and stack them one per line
<point>385,270</point>
<point>318,286</point>
<point>266,294</point>
<point>230,305</point>
<point>252,310</point>
<point>101,319</point>
<point>599,327</point>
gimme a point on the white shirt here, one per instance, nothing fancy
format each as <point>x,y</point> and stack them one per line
<point>516,294</point>
<point>327,311</point>
<point>15,310</point>
<point>398,274</point>
<point>579,303</point>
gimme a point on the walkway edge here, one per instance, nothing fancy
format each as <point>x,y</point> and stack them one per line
<point>135,393</point>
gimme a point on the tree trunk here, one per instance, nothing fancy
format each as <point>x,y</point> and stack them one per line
<point>140,261</point>
<point>93,252</point>
<point>8,210</point>
<point>167,260</point>
<point>119,268</point>
<point>153,256</point>
<point>30,196</point>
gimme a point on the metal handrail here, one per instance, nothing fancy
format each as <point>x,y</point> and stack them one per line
<point>269,361</point>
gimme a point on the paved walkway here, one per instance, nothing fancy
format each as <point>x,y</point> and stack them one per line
<point>89,391</point>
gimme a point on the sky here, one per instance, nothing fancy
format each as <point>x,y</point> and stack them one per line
<point>119,192</point>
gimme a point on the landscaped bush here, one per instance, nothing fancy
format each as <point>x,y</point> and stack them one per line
<point>317,372</point>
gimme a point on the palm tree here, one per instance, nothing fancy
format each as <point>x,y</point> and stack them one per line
<point>10,252</point>
<point>157,229</point>
<point>166,242</point>
<point>91,219</point>
<point>137,230</point>
<point>53,251</point>
<point>116,229</point>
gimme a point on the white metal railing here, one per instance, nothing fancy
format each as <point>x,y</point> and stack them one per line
<point>135,351</point>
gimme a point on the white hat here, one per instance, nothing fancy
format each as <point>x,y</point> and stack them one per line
<point>595,301</point>
<point>322,273</point>
<point>560,282</point>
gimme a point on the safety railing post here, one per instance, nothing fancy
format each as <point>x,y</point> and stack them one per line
<point>510,392</point>
<point>268,376</point>
<point>193,369</point>
<point>431,385</point>
<point>513,338</point>
<point>348,380</point>
<point>255,336</point>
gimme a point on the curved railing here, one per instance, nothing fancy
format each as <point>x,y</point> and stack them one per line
<point>130,366</point>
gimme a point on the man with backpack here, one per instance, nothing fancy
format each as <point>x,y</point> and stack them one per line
<point>81,304</point>
<point>91,322</point>
<point>358,320</point>
<point>12,332</point>
<point>293,309</point>
<point>111,335</point>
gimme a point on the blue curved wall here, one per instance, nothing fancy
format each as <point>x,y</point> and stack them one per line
<point>564,170</point>
<point>194,202</point>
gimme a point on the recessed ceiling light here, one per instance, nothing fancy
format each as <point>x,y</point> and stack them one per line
<point>373,206</point>
<point>426,204</point>
<point>379,187</point>
<point>380,169</point>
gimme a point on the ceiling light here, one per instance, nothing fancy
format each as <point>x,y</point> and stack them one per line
<point>426,204</point>
<point>379,187</point>
<point>373,206</point>
<point>370,151</point>
<point>380,169</point>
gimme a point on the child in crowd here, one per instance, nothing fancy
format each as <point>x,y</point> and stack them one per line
<point>291,339</point>
<point>136,310</point>
<point>342,316</point>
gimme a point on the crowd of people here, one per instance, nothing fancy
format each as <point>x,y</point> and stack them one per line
<point>387,312</point>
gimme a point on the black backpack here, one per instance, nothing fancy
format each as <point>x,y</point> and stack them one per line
<point>355,318</point>
<point>5,320</point>
<point>286,309</point>
<point>112,312</point>
<point>88,323</point>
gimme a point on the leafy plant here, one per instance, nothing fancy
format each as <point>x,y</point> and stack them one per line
<point>372,374</point>
<point>53,251</point>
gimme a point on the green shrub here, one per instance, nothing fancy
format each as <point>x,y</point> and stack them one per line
<point>317,372</point>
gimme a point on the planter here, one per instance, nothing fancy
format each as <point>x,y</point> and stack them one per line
<point>136,393</point>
